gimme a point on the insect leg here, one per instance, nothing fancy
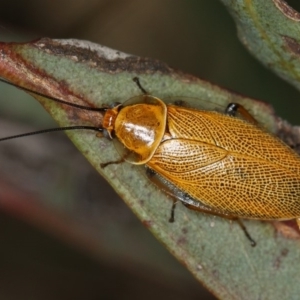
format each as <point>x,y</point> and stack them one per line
<point>247,234</point>
<point>219,214</point>
<point>104,165</point>
<point>115,162</point>
<point>157,180</point>
<point>137,81</point>
<point>233,109</point>
<point>172,216</point>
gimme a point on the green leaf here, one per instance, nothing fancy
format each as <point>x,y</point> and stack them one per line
<point>214,250</point>
<point>270,29</point>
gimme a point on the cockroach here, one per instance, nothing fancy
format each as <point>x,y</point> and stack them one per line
<point>212,162</point>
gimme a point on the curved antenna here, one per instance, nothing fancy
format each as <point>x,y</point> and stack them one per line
<point>99,129</point>
<point>55,99</point>
<point>51,130</point>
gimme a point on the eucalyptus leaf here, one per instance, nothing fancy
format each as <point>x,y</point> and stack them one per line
<point>270,29</point>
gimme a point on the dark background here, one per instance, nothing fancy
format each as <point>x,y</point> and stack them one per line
<point>196,36</point>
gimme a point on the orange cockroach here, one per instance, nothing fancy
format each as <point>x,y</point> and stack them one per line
<point>213,162</point>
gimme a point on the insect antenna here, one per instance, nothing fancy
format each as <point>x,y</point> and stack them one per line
<point>65,128</point>
<point>100,109</point>
<point>51,130</point>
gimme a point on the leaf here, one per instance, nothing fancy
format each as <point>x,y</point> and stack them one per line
<point>214,250</point>
<point>270,31</point>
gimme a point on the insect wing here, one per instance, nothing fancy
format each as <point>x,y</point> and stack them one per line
<point>229,165</point>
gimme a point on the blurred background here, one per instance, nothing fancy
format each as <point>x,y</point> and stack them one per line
<point>89,245</point>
